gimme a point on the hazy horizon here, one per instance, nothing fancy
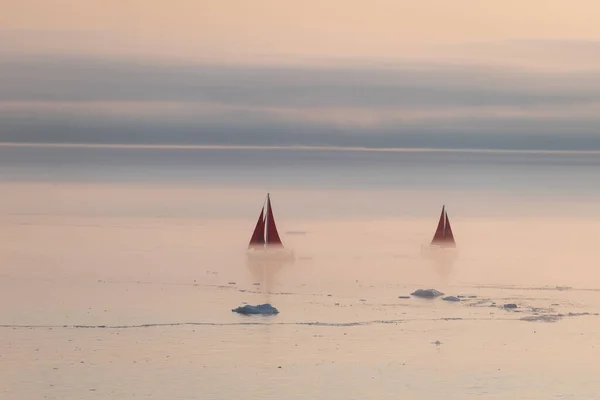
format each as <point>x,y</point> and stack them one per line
<point>113,100</point>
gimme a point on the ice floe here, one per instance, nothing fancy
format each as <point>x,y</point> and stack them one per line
<point>451,298</point>
<point>263,309</point>
<point>427,293</point>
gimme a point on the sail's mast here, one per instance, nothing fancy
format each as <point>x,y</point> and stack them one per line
<point>445,218</point>
<point>267,221</point>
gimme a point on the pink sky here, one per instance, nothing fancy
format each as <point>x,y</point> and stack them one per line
<point>311,28</point>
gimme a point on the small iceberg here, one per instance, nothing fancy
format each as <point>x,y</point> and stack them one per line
<point>451,298</point>
<point>262,309</point>
<point>427,293</point>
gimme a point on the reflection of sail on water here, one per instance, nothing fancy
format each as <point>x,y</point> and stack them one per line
<point>265,233</point>
<point>265,272</point>
<point>443,265</point>
<point>443,234</point>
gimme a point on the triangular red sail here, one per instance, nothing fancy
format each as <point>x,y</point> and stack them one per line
<point>443,234</point>
<point>438,237</point>
<point>272,235</point>
<point>448,235</point>
<point>258,237</point>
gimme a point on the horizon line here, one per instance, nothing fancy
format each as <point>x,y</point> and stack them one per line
<point>291,147</point>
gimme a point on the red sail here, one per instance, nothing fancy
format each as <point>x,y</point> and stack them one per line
<point>258,237</point>
<point>448,234</point>
<point>272,235</point>
<point>438,237</point>
<point>443,234</point>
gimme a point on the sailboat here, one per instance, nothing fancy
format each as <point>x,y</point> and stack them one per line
<point>443,238</point>
<point>265,241</point>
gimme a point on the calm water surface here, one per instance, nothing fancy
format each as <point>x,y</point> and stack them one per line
<point>120,268</point>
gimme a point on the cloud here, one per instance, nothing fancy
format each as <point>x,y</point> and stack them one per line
<point>404,85</point>
<point>423,104</point>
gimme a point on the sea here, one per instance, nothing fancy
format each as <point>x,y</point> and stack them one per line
<point>120,267</point>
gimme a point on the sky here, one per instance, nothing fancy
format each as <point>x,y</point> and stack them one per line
<point>383,73</point>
